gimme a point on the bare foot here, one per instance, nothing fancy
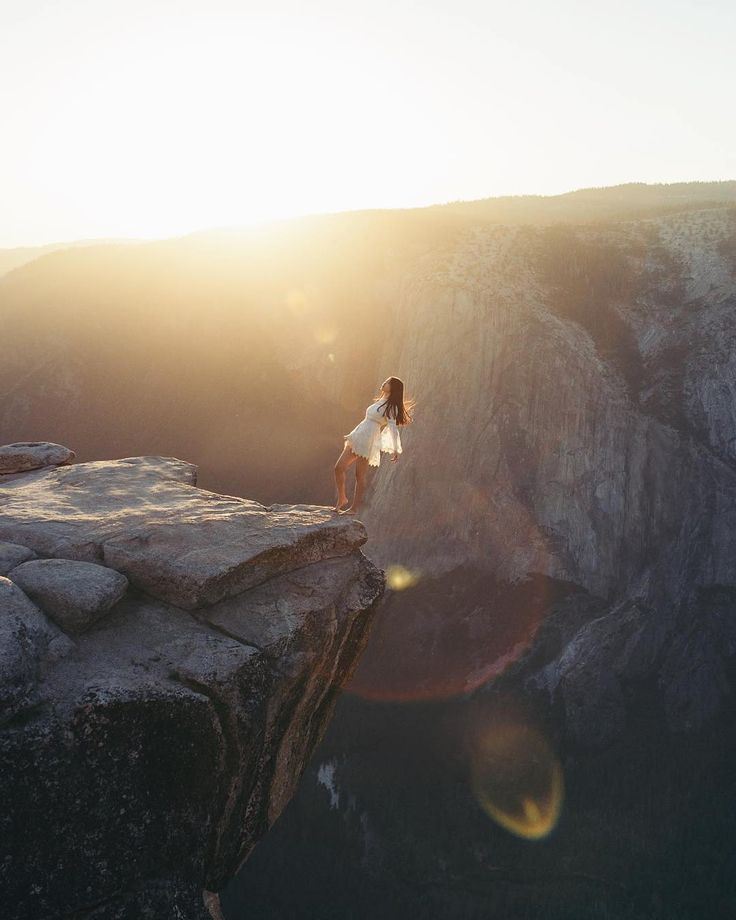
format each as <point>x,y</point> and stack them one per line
<point>349,510</point>
<point>339,505</point>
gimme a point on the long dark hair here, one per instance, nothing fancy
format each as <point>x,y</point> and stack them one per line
<point>394,406</point>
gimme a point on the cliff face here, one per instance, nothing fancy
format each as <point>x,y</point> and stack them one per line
<point>577,422</point>
<point>574,435</point>
<point>172,658</point>
<point>568,382</point>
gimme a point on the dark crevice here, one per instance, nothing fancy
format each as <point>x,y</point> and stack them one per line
<point>200,616</point>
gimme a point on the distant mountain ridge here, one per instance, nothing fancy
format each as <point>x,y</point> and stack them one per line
<point>616,202</point>
<point>20,255</point>
<point>596,203</point>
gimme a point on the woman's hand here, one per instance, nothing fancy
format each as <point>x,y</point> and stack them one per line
<point>394,457</point>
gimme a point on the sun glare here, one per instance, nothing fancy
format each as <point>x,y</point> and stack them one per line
<point>210,125</point>
<point>156,118</point>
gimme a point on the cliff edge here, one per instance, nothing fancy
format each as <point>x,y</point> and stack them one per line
<point>170,659</point>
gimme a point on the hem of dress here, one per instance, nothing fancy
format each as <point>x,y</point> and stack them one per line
<point>358,454</point>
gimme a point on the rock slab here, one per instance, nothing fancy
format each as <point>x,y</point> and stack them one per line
<point>73,594</point>
<point>144,517</point>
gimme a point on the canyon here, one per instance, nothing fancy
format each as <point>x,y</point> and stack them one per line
<point>565,500</point>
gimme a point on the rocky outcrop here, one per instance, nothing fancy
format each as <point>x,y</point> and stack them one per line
<point>156,737</point>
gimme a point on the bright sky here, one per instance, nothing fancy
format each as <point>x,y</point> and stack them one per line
<point>159,117</point>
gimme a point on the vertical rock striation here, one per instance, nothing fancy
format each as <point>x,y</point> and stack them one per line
<point>578,422</point>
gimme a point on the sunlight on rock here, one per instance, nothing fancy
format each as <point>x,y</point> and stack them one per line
<point>517,780</point>
<point>399,579</point>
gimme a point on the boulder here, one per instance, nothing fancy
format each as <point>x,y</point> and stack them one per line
<point>24,637</point>
<point>33,455</point>
<point>73,594</point>
<point>12,554</point>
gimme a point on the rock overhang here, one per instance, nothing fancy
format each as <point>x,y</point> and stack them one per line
<point>145,518</point>
<point>166,734</point>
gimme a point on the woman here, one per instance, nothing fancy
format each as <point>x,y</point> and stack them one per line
<point>377,432</point>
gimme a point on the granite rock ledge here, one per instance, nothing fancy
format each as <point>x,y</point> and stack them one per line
<point>144,753</point>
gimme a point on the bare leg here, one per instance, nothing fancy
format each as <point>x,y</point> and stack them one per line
<point>361,477</point>
<point>346,458</point>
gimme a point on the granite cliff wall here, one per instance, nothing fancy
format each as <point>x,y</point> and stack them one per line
<point>578,423</point>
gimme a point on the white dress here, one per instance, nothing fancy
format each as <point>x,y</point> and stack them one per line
<point>374,434</point>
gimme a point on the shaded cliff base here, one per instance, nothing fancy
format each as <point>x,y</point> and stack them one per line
<point>645,833</point>
<point>385,822</point>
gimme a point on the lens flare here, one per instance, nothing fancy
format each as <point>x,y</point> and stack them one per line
<point>399,578</point>
<point>449,634</point>
<point>296,301</point>
<point>517,779</point>
<point>325,335</point>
